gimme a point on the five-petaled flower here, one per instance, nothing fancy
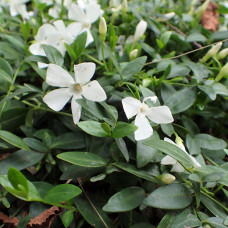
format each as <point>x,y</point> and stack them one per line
<point>177,167</point>
<point>75,88</point>
<point>159,115</point>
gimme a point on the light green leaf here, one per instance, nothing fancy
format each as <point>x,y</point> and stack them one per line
<point>67,218</point>
<point>125,200</point>
<point>83,159</point>
<point>172,197</point>
<point>53,55</point>
<point>13,140</point>
<point>123,129</point>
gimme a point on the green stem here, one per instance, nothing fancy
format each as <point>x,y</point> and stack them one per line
<point>218,189</point>
<point>131,218</point>
<point>95,60</point>
<point>41,108</point>
<point>214,200</point>
<point>102,50</point>
<point>210,160</point>
<point>11,87</point>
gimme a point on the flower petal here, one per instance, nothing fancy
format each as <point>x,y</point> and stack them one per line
<point>168,160</point>
<point>76,110</point>
<point>144,129</point>
<point>43,31</point>
<point>36,49</point>
<point>131,106</point>
<point>84,72</point>
<point>94,92</point>
<point>92,12</point>
<point>57,76</point>
<point>160,115</point>
<point>76,13</point>
<point>56,99</point>
<point>178,168</point>
<point>196,163</point>
<point>74,28</point>
<point>89,37</point>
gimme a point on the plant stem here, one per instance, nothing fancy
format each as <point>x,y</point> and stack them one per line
<point>104,62</point>
<point>95,60</point>
<point>210,160</point>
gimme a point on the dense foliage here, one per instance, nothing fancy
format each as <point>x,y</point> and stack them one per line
<point>114,112</point>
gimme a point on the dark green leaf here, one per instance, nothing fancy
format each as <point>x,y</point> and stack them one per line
<point>123,129</point>
<point>79,44</point>
<point>123,148</point>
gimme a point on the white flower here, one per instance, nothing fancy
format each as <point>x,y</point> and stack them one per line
<point>75,88</point>
<point>177,167</point>
<point>85,17</point>
<point>159,115</point>
<point>18,7</point>
<point>140,30</point>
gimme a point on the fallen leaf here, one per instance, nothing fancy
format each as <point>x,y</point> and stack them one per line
<point>210,18</point>
<point>6,219</point>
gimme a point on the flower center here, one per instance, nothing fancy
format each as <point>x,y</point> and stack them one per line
<point>78,87</point>
<point>86,25</point>
<point>144,108</point>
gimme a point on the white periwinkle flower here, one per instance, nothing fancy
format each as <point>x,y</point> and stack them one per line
<point>73,88</point>
<point>140,30</point>
<point>177,167</point>
<point>159,115</point>
<point>85,17</point>
<point>18,7</point>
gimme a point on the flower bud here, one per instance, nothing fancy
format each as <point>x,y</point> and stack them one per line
<point>146,82</point>
<point>207,226</point>
<point>133,54</point>
<point>140,30</point>
<point>223,72</point>
<point>167,178</point>
<point>222,54</point>
<point>179,143</point>
<point>212,52</point>
<point>102,29</point>
<point>124,6</point>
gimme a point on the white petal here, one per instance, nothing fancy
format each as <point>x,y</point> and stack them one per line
<point>168,160</point>
<point>178,168</point>
<point>74,28</point>
<point>92,12</point>
<point>84,72</point>
<point>153,99</point>
<point>89,37</point>
<point>76,110</point>
<point>94,92</point>
<point>160,115</point>
<point>42,65</point>
<point>144,129</point>
<point>36,49</point>
<point>196,163</point>
<point>57,76</point>
<point>131,106</point>
<point>76,13</point>
<point>57,98</point>
<point>60,26</point>
<point>43,31</point>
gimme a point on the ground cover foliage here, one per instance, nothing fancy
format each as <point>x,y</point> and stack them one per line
<point>113,114</point>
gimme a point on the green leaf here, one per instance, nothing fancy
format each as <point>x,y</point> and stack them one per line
<point>196,37</point>
<point>133,170</point>
<point>134,67</point>
<point>167,220</point>
<point>20,160</point>
<point>172,197</point>
<point>210,142</point>
<point>13,140</point>
<point>62,193</point>
<point>83,159</point>
<point>70,51</point>
<point>165,37</point>
<point>215,222</point>
<point>123,129</point>
<point>18,180</point>
<point>123,148</point>
<point>181,100</point>
<point>53,55</point>
<point>67,218</point>
<point>208,90</point>
<point>79,44</point>
<point>5,66</point>
<point>16,42</point>
<point>171,150</point>
<point>112,36</point>
<point>36,144</point>
<point>125,200</point>
<point>92,128</point>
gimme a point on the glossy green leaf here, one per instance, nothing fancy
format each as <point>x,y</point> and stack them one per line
<point>123,148</point>
<point>125,200</point>
<point>181,100</point>
<point>67,218</point>
<point>13,140</point>
<point>123,129</point>
<point>172,197</point>
<point>62,193</point>
<point>79,44</point>
<point>53,55</point>
<point>92,128</point>
<point>36,144</point>
<point>83,159</point>
<point>171,150</point>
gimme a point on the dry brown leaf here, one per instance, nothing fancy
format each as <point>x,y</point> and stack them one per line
<point>6,219</point>
<point>210,18</point>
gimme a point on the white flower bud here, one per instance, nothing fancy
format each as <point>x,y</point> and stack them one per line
<point>222,54</point>
<point>167,178</point>
<point>140,30</point>
<point>133,54</point>
<point>223,72</point>
<point>212,52</point>
<point>146,82</point>
<point>124,6</point>
<point>102,29</point>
